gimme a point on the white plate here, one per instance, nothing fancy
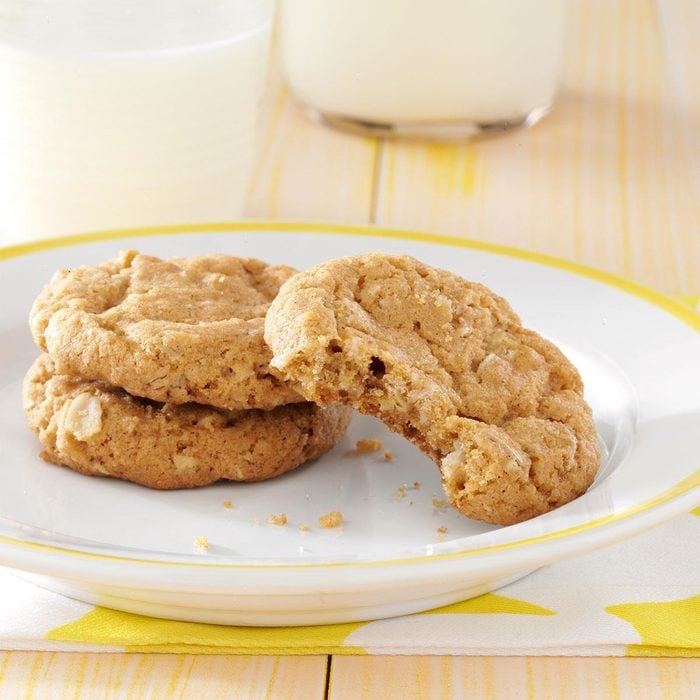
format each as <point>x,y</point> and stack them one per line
<point>124,546</point>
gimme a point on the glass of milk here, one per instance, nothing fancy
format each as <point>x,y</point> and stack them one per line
<point>118,113</point>
<point>425,68</point>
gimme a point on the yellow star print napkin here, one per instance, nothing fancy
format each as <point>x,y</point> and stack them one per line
<point>640,597</point>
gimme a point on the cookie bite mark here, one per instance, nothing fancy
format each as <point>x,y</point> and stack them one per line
<point>446,363</point>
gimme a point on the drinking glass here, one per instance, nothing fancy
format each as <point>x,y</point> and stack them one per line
<point>127,113</point>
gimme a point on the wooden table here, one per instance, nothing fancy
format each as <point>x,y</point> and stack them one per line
<point>610,179</point>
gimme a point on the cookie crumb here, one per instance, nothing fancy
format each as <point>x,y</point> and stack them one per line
<point>388,456</point>
<point>332,519</point>
<point>416,485</point>
<point>368,445</point>
<point>439,503</point>
<point>256,521</point>
<point>227,503</point>
<point>280,519</point>
<point>304,528</point>
<point>441,533</point>
<point>201,543</point>
<point>401,491</point>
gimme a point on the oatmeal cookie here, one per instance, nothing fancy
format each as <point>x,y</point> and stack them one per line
<point>447,364</point>
<point>175,331</point>
<point>101,430</point>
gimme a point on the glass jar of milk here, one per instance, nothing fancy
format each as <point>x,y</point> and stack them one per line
<point>119,113</point>
<point>440,68</point>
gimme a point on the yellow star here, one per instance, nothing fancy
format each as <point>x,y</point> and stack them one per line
<point>666,629</point>
<point>148,634</point>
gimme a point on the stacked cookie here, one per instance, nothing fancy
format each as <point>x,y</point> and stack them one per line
<point>157,372</point>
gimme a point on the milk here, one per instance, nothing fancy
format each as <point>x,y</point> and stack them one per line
<point>398,61</point>
<point>120,127</point>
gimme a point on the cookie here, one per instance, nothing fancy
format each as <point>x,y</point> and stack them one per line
<point>100,430</point>
<point>447,364</point>
<point>175,331</point>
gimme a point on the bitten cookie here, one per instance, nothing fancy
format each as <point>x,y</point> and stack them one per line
<point>446,363</point>
<point>100,430</point>
<point>175,331</point>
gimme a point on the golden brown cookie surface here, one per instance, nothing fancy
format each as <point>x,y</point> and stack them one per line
<point>448,364</point>
<point>175,331</point>
<point>100,430</point>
